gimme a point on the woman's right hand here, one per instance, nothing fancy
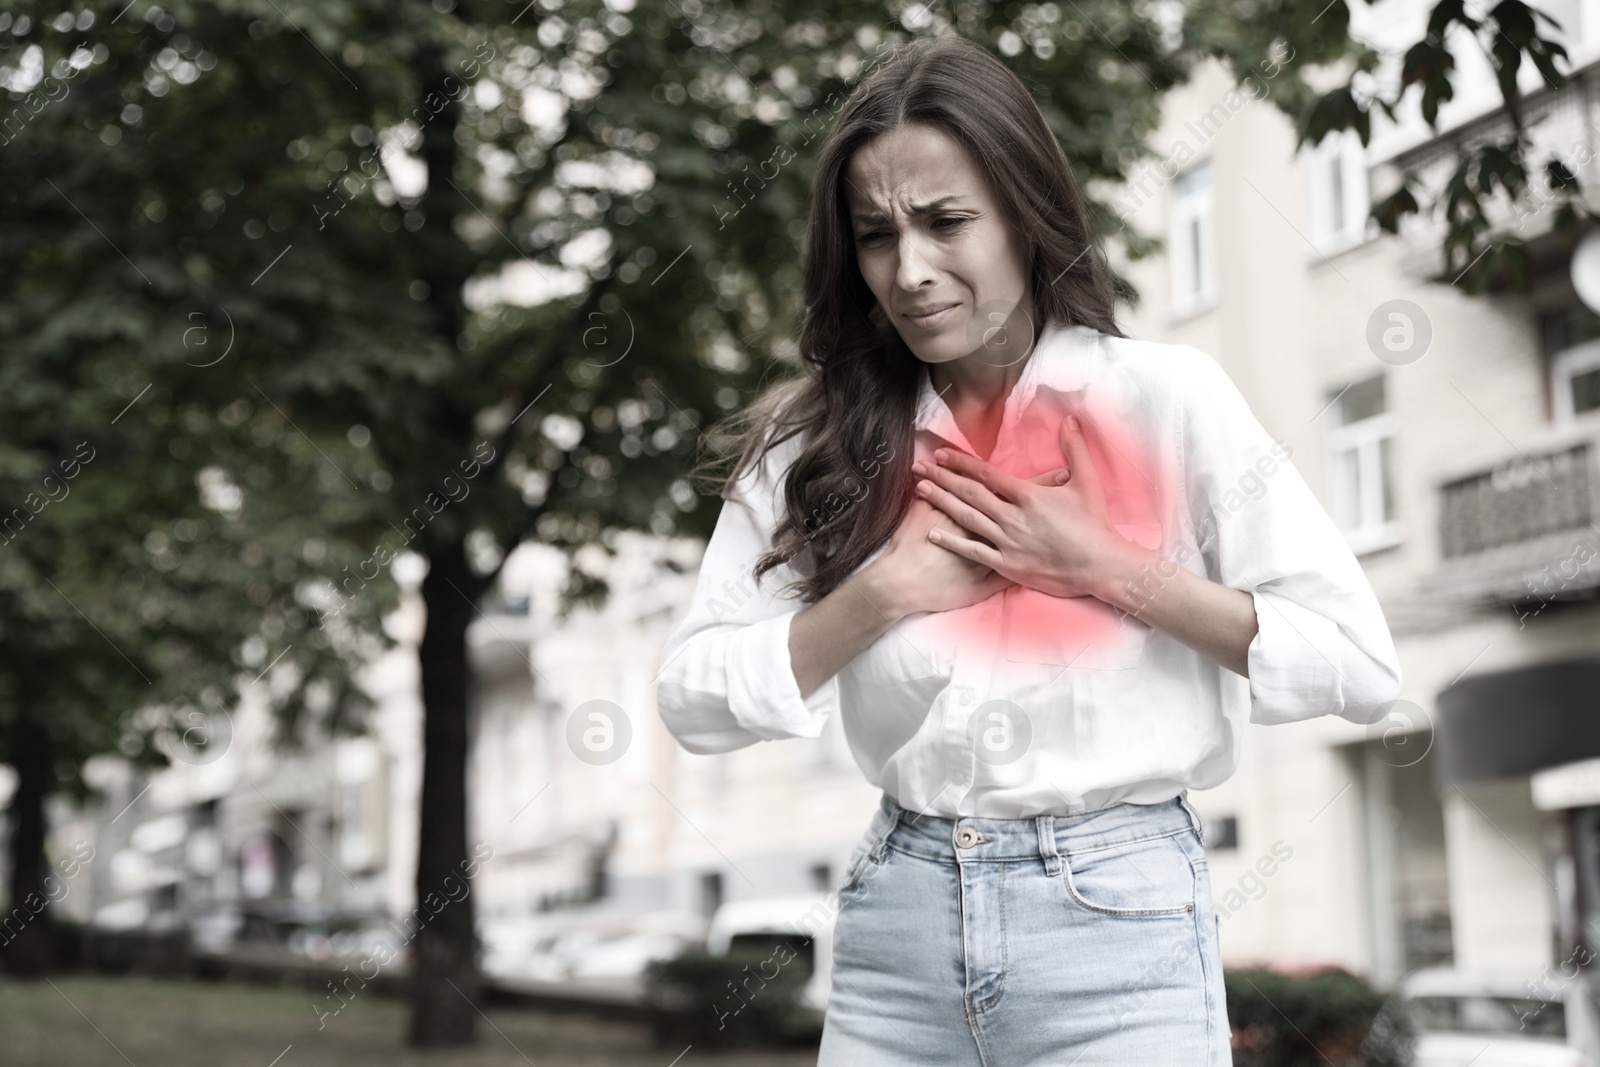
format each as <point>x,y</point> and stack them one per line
<point>914,574</point>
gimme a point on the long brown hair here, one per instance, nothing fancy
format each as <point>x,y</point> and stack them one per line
<point>853,402</point>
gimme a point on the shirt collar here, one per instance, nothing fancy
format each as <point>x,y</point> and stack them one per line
<point>1065,358</point>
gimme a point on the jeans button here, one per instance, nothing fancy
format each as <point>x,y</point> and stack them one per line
<point>966,837</point>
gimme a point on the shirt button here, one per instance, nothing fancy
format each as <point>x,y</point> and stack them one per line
<point>966,837</point>
<point>964,694</point>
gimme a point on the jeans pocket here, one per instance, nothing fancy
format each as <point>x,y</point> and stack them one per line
<point>1151,877</point>
<point>868,852</point>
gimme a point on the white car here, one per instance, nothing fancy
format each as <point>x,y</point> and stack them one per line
<point>1486,1020</point>
<point>803,922</point>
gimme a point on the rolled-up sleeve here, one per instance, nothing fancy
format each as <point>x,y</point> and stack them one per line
<point>1322,646</point>
<point>726,679</point>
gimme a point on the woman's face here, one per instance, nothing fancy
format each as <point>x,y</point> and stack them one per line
<point>936,249</point>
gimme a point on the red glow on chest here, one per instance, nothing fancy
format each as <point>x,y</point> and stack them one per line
<point>1022,623</point>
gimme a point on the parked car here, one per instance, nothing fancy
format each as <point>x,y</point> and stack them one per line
<point>1484,1020</point>
<point>804,923</point>
<point>598,948</point>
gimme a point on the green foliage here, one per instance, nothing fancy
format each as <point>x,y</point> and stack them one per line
<point>1330,1018</point>
<point>744,998</point>
<point>1313,35</point>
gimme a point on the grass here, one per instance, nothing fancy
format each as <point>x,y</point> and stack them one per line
<point>95,1021</point>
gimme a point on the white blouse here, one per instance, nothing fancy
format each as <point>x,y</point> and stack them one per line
<point>1025,703</point>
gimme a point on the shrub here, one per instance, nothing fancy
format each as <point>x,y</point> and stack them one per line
<point>1314,1020</point>
<point>744,998</point>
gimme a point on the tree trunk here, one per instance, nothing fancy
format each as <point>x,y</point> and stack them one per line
<point>445,982</point>
<point>28,949</point>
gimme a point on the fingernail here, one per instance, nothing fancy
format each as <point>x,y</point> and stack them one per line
<point>918,468</point>
<point>933,535</point>
<point>941,455</point>
<point>1072,420</point>
<point>922,487</point>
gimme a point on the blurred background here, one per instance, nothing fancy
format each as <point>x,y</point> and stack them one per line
<point>353,361</point>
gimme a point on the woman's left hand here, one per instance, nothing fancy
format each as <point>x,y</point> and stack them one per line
<point>1055,537</point>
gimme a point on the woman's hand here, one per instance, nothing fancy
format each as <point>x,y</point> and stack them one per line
<point>915,574</point>
<point>1056,538</point>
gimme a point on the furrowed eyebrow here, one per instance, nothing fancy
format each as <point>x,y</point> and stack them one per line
<point>871,218</point>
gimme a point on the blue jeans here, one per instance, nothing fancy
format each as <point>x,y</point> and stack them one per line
<point>1086,939</point>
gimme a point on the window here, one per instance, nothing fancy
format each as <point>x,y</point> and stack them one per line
<point>1360,452</point>
<point>1407,875</point>
<point>1575,381</point>
<point>1190,243</point>
<point>1573,339</point>
<point>1338,189</point>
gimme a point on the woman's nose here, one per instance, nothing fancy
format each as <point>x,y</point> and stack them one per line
<point>913,268</point>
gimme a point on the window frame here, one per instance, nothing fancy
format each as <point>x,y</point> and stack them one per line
<point>1191,209</point>
<point>1565,365</point>
<point>1343,151</point>
<point>1365,438</point>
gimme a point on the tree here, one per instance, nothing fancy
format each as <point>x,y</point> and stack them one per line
<point>128,577</point>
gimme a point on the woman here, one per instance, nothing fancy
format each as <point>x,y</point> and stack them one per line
<point>1044,574</point>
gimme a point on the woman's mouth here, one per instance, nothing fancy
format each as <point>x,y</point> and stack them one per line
<point>932,316</point>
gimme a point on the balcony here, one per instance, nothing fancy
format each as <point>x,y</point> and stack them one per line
<point>1522,532</point>
<point>1518,502</point>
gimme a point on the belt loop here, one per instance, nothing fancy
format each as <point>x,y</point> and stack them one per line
<point>1194,816</point>
<point>1047,844</point>
<point>893,810</point>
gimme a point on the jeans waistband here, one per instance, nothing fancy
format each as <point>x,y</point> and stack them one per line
<point>973,839</point>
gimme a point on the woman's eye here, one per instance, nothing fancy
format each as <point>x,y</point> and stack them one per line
<point>869,238</point>
<point>948,222</point>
